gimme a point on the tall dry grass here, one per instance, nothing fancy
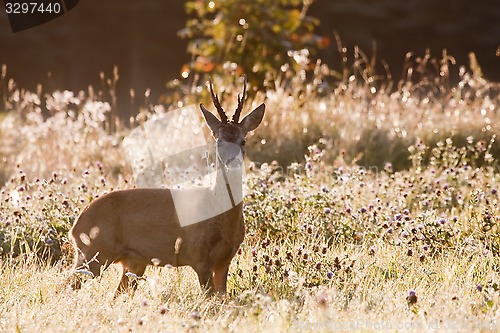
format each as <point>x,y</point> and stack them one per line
<point>389,222</point>
<point>361,112</point>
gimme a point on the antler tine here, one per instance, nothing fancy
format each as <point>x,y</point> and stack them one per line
<point>216,102</point>
<point>241,100</point>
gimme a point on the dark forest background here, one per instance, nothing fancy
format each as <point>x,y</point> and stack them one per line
<point>140,37</point>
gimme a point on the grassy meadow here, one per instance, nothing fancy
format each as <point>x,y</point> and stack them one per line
<point>370,205</point>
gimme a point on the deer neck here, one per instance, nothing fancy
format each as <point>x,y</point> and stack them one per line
<point>229,180</point>
<point>224,197</point>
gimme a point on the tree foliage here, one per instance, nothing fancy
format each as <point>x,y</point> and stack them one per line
<point>252,37</point>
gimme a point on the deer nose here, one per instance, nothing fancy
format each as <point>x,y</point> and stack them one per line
<point>230,154</point>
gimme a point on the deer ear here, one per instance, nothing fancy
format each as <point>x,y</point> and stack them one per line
<point>253,119</point>
<point>213,123</point>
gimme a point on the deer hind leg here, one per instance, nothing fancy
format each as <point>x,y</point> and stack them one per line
<point>74,279</point>
<point>91,267</point>
<point>130,265</point>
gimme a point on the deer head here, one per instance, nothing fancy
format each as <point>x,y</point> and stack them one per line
<point>230,134</point>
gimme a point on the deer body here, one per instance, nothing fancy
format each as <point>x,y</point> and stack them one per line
<point>139,227</point>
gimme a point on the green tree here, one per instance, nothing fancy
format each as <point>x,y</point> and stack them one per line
<point>252,37</point>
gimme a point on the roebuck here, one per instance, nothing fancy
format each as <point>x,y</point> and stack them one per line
<point>137,227</point>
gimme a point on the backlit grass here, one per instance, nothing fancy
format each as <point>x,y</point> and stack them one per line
<point>389,222</point>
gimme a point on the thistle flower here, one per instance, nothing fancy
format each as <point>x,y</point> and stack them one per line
<point>412,297</point>
<point>321,299</point>
<point>195,315</point>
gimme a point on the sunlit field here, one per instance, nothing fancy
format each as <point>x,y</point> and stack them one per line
<point>369,206</point>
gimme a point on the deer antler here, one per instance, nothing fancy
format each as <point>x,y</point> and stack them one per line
<point>217,105</point>
<point>241,100</point>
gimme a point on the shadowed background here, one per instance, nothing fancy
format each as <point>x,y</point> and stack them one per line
<point>141,39</point>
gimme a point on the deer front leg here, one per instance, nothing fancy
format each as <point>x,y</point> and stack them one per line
<point>220,278</point>
<point>221,256</point>
<point>205,277</point>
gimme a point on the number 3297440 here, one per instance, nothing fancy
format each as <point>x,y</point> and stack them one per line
<point>32,7</point>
